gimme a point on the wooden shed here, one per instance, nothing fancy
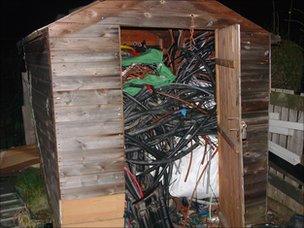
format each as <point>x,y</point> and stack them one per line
<point>74,65</point>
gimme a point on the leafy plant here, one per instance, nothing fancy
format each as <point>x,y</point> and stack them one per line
<point>287,66</point>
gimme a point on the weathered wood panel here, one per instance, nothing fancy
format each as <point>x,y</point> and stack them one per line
<point>95,44</point>
<point>76,57</point>
<point>255,82</point>
<point>85,83</point>
<point>91,185</point>
<point>88,111</point>
<point>38,66</point>
<point>104,68</point>
<point>93,209</point>
<point>284,194</point>
<point>287,112</point>
<point>166,14</point>
<point>118,222</point>
<point>229,116</point>
<point>87,97</point>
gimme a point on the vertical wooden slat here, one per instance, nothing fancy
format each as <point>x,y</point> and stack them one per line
<point>229,113</point>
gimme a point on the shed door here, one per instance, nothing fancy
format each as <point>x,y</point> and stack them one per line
<point>229,114</point>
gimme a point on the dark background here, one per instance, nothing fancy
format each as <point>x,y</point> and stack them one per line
<point>20,17</point>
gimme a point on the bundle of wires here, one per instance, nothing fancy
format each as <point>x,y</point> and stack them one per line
<point>164,124</point>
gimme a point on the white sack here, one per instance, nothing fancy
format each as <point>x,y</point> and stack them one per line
<point>180,188</point>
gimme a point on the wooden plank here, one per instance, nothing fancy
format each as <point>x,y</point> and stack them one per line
<point>74,157</point>
<point>18,158</point>
<point>116,187</point>
<point>86,83</point>
<point>285,154</point>
<point>255,49</point>
<point>89,142</point>
<point>99,168</point>
<point>291,125</point>
<point>89,44</point>
<point>29,132</point>
<point>89,113</point>
<point>87,97</point>
<point>136,36</point>
<point>37,58</point>
<point>100,128</point>
<point>285,200</point>
<point>289,190</point>
<point>79,57</point>
<point>284,117</point>
<point>281,130</point>
<point>37,45</point>
<point>66,30</point>
<point>39,71</point>
<point>106,223</point>
<point>215,14</point>
<point>92,209</point>
<point>275,137</point>
<point>105,181</point>
<point>44,87</point>
<point>298,137</point>
<point>225,62</point>
<point>104,68</point>
<point>274,115</point>
<point>229,114</point>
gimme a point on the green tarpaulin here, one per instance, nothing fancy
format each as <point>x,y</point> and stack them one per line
<point>150,57</point>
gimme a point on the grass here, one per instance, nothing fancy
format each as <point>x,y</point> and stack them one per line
<point>30,186</point>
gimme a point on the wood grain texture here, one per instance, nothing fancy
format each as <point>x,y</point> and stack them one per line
<point>92,209</point>
<point>36,51</point>
<point>88,111</point>
<point>177,14</point>
<point>18,158</point>
<point>255,81</point>
<point>106,223</point>
<point>229,117</point>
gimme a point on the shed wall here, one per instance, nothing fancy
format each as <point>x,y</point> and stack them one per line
<point>39,71</point>
<point>86,115</point>
<point>255,83</point>
<point>88,111</point>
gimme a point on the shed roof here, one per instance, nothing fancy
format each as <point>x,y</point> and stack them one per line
<point>198,14</point>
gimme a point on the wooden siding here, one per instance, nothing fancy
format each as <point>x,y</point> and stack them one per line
<point>88,111</point>
<point>255,83</point>
<point>38,67</point>
<point>162,14</point>
<point>231,192</point>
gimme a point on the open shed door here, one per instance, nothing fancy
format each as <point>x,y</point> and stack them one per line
<point>231,190</point>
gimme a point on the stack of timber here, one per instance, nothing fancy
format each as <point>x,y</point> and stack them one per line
<point>286,126</point>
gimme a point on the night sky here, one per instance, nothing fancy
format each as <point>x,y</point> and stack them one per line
<point>21,17</point>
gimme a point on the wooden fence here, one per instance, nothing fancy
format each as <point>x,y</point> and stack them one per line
<point>285,191</point>
<point>286,125</point>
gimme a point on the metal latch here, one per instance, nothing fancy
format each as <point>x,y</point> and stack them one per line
<point>243,130</point>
